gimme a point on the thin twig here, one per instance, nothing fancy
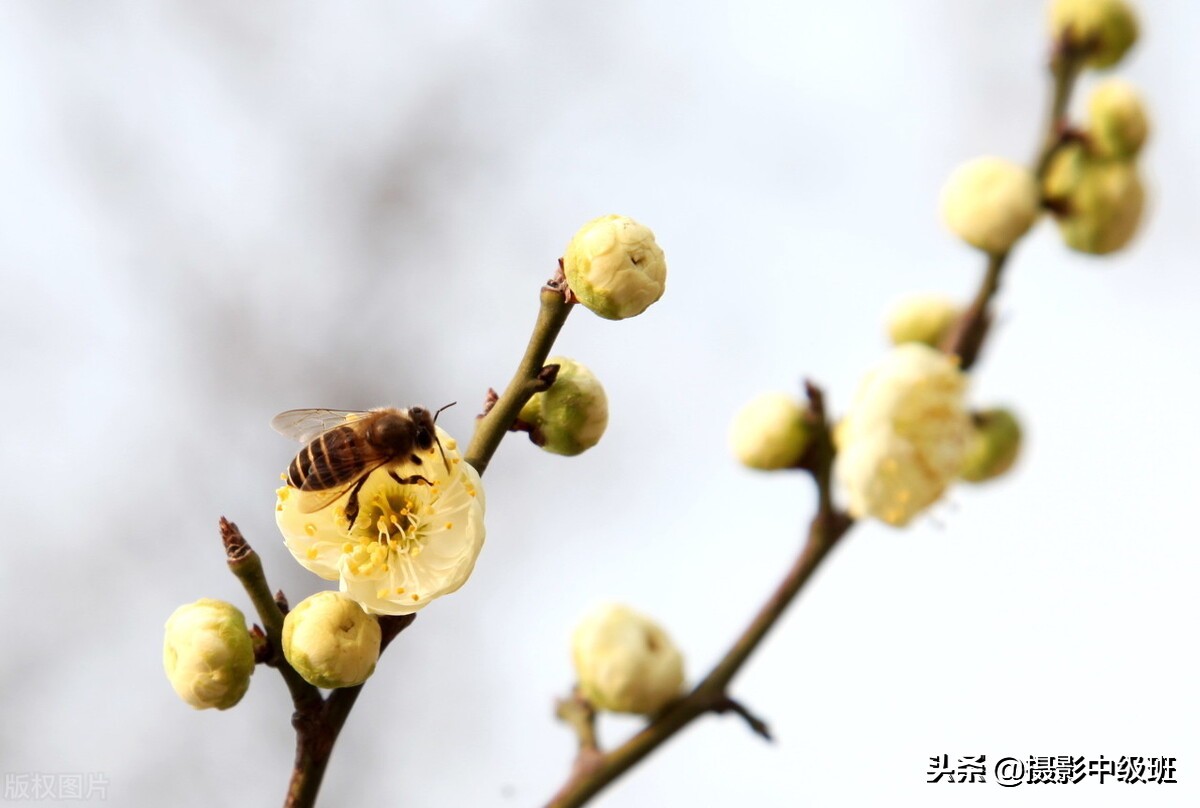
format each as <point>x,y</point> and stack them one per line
<point>491,428</point>
<point>248,568</point>
<point>966,338</point>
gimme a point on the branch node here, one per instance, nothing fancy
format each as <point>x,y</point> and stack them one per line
<point>558,284</point>
<point>578,713</point>
<point>262,648</point>
<point>545,378</point>
<point>489,401</point>
<point>759,727</point>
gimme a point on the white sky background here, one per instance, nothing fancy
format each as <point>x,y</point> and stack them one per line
<point>210,212</point>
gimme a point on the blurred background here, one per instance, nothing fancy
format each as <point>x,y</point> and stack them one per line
<point>214,211</point>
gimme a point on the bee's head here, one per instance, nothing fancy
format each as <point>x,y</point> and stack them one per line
<point>393,431</point>
<point>424,433</point>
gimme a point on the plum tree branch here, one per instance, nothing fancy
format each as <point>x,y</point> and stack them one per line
<point>593,771</point>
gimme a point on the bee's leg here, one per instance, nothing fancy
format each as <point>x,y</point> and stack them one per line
<point>352,502</point>
<point>415,459</point>
<point>413,480</point>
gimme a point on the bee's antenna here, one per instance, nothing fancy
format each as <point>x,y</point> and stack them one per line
<point>438,440</point>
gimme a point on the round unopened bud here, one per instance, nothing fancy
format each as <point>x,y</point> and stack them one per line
<point>571,416</point>
<point>1101,30</point>
<point>771,432</point>
<point>208,654</point>
<point>331,641</point>
<point>1118,120</point>
<point>994,445</point>
<point>615,267</point>
<point>625,662</point>
<point>1099,202</point>
<point>921,318</point>
<point>990,203</point>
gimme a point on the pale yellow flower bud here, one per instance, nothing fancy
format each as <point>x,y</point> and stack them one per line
<point>1118,120</point>
<point>571,416</point>
<point>995,444</point>
<point>208,654</point>
<point>1103,29</point>
<point>990,203</point>
<point>905,436</point>
<point>1101,201</point>
<point>625,662</point>
<point>331,641</point>
<point>771,432</point>
<point>921,318</point>
<point>615,267</point>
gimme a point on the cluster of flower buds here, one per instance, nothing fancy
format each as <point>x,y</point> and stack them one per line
<point>1092,185</point>
<point>615,268</point>
<point>397,542</point>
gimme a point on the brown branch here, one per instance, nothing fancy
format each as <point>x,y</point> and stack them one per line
<point>317,730</point>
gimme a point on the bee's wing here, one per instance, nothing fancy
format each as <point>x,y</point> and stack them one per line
<point>304,425</point>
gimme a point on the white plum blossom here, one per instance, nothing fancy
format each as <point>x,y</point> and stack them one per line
<point>905,436</point>
<point>409,543</point>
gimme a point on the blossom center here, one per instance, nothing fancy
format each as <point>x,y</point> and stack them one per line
<point>392,526</point>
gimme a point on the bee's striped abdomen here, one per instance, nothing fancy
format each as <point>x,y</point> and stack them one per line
<point>333,458</point>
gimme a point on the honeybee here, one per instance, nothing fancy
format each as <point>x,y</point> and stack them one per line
<point>343,447</point>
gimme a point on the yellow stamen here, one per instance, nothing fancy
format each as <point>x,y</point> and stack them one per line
<point>310,529</point>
